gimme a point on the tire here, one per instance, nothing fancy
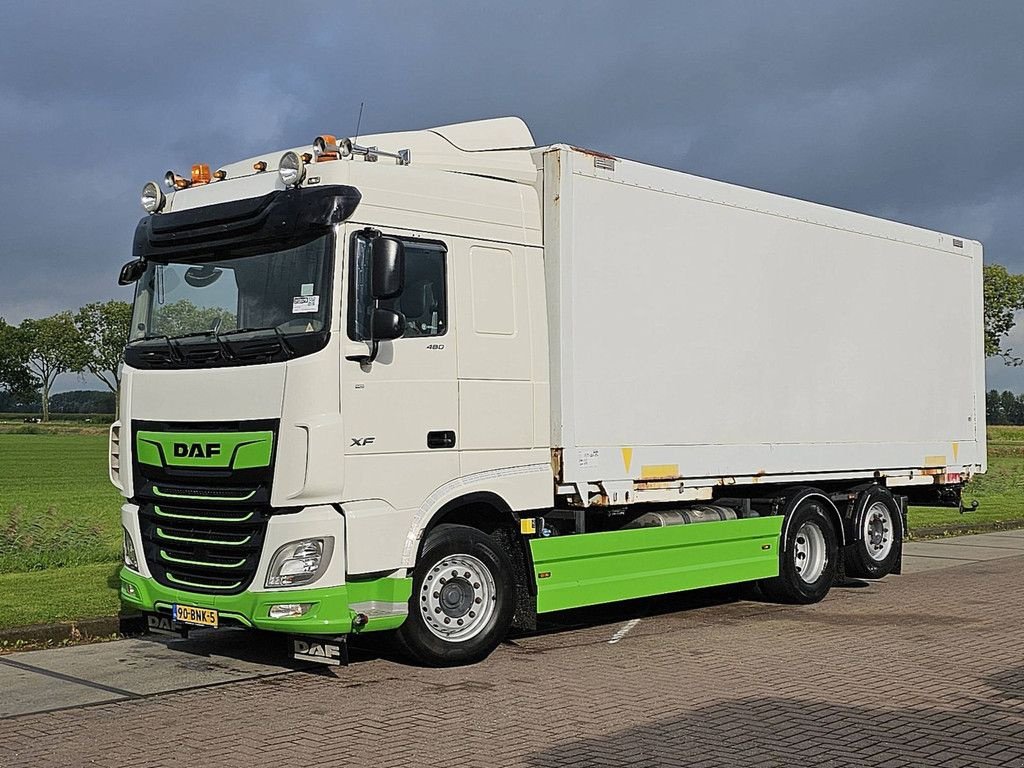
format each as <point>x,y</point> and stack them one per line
<point>809,559</point>
<point>877,538</point>
<point>462,599</point>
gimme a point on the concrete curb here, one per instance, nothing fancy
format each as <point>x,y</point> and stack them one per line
<point>963,529</point>
<point>81,630</point>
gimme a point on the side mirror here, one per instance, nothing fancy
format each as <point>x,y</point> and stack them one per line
<point>387,270</point>
<point>387,324</point>
<point>131,272</point>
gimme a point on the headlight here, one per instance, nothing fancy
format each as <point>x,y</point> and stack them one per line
<point>152,197</point>
<point>300,562</point>
<point>131,560</point>
<point>291,169</point>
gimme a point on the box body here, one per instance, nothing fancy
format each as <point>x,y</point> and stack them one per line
<point>705,331</point>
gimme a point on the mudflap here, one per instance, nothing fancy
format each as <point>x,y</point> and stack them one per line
<point>902,501</point>
<point>321,650</point>
<point>162,624</point>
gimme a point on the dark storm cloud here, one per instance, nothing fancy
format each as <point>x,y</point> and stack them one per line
<point>908,110</point>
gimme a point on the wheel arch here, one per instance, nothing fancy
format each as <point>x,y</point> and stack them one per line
<point>488,512</point>
<point>862,502</point>
<point>796,497</point>
<point>484,510</point>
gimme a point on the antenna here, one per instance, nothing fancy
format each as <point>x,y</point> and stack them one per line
<point>358,123</point>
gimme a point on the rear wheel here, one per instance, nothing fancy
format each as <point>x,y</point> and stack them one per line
<point>809,557</point>
<point>462,598</point>
<point>878,538</point>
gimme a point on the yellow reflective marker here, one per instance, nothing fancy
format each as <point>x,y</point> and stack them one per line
<point>627,458</point>
<point>659,471</point>
<point>528,525</point>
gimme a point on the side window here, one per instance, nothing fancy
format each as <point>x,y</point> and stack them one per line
<point>424,299</point>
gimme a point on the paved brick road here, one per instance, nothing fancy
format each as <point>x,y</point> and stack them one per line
<point>924,669</point>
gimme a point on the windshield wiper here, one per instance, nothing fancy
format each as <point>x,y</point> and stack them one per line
<point>287,348</point>
<point>172,348</point>
<point>233,331</point>
<point>281,339</point>
<point>192,335</point>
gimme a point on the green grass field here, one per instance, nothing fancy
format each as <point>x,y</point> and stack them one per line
<point>57,506</point>
<point>999,492</point>
<point>60,529</point>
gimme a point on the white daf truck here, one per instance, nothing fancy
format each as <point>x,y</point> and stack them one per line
<point>442,381</point>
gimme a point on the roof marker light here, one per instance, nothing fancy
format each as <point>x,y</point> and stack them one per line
<point>153,198</point>
<point>220,175</point>
<point>200,174</point>
<point>292,168</point>
<point>325,148</point>
<point>259,166</point>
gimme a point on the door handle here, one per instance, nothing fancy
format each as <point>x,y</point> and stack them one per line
<point>441,439</point>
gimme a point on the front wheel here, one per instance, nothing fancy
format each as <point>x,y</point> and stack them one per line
<point>462,598</point>
<point>809,558</point>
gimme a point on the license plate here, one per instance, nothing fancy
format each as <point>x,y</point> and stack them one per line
<point>189,614</point>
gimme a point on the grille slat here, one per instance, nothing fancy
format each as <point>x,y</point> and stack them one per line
<point>193,536</point>
<point>205,585</point>
<point>180,492</point>
<point>204,516</point>
<point>209,562</point>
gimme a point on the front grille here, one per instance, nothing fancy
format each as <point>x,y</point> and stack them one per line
<point>203,526</point>
<point>207,550</point>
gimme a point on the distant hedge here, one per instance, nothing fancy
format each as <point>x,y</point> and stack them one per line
<point>83,402</point>
<point>1004,407</point>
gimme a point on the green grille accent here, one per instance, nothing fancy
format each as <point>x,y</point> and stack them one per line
<point>213,450</point>
<point>164,535</point>
<point>200,518</point>
<point>225,587</point>
<point>193,497</point>
<point>173,559</point>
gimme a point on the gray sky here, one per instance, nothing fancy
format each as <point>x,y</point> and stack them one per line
<point>910,110</point>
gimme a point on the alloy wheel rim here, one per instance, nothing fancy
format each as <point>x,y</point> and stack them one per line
<point>877,531</point>
<point>458,598</point>
<point>809,552</point>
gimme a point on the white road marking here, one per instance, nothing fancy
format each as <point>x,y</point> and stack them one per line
<point>623,630</point>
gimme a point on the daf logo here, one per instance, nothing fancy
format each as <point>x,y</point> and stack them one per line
<point>322,652</point>
<point>196,450</point>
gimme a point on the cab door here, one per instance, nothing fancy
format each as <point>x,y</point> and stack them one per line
<point>400,412</point>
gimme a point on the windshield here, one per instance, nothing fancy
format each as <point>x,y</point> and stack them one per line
<point>233,310</point>
<point>282,291</point>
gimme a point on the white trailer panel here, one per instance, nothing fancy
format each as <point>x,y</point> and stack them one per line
<point>704,330</point>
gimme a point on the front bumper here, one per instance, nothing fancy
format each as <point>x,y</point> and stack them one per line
<point>384,603</point>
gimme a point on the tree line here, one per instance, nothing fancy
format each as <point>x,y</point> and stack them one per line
<point>74,401</point>
<point>35,352</point>
<point>92,340</point>
<point>1004,408</point>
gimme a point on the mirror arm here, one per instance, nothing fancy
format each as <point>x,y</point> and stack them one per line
<point>374,344</point>
<point>368,358</point>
